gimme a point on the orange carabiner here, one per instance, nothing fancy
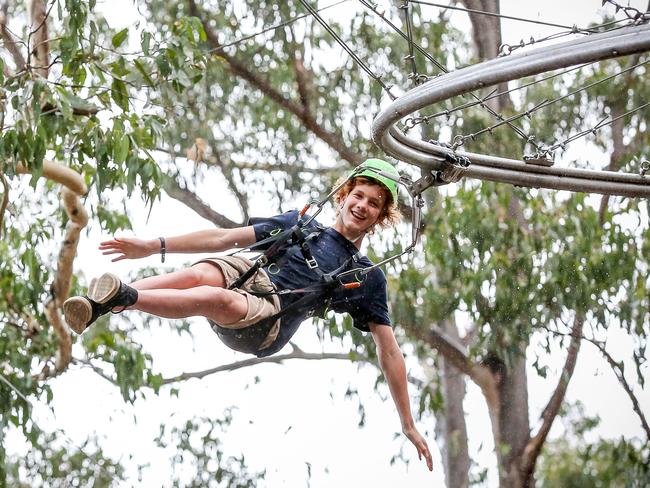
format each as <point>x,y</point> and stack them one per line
<point>354,284</point>
<point>304,209</point>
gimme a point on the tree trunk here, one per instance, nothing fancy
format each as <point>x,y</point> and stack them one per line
<point>451,430</point>
<point>486,33</point>
<point>514,426</point>
<point>510,422</point>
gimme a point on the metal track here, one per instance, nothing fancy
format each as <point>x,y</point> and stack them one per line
<point>597,47</point>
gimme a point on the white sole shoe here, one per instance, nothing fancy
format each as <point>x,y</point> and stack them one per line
<point>78,312</point>
<point>104,288</point>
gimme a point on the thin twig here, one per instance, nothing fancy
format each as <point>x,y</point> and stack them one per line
<point>618,371</point>
<point>15,389</point>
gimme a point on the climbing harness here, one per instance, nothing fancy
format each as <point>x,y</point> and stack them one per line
<point>316,298</point>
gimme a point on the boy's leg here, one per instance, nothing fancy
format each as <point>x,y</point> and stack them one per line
<point>203,283</point>
<point>197,275</point>
<point>217,304</point>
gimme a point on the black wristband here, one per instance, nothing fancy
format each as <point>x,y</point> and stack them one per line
<point>163,249</point>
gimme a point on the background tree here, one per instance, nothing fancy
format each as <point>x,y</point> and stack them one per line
<point>189,95</point>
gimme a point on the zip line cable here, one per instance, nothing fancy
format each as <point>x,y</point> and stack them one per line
<point>603,123</point>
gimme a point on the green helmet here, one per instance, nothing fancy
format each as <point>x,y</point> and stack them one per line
<point>388,176</point>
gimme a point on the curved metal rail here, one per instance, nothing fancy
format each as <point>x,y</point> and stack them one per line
<point>597,47</point>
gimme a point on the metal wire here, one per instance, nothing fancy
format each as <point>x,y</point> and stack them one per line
<point>510,48</point>
<point>426,155</point>
<point>492,14</point>
<point>546,103</point>
<point>603,123</point>
<point>517,130</point>
<point>272,28</point>
<point>630,12</point>
<point>406,8</point>
<point>419,48</point>
<point>347,48</point>
<point>413,121</point>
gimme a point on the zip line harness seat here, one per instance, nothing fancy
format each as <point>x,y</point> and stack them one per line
<point>317,297</point>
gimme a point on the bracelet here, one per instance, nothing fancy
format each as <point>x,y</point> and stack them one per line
<point>163,249</point>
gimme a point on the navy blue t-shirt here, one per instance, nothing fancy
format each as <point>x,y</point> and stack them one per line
<point>367,303</point>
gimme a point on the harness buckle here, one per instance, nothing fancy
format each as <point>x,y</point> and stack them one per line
<point>311,262</point>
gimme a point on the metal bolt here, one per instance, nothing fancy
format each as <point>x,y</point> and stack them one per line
<point>645,167</point>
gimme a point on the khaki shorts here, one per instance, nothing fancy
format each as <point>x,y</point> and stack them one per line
<point>259,308</point>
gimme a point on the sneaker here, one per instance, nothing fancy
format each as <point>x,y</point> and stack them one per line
<point>109,291</point>
<point>78,313</point>
<point>104,294</point>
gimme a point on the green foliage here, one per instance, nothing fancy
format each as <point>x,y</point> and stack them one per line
<point>570,461</point>
<point>512,281</point>
<point>89,115</point>
<point>49,463</point>
<point>611,464</point>
<point>200,456</point>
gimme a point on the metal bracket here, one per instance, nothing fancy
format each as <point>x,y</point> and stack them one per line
<point>454,169</point>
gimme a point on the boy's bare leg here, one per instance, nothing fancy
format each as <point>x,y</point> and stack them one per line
<point>198,275</point>
<point>217,304</point>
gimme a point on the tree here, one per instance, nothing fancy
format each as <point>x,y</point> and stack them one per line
<point>494,263</point>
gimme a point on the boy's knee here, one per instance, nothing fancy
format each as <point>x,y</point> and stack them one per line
<point>222,298</point>
<point>206,274</point>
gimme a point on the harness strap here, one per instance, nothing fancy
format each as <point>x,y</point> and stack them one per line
<point>318,292</point>
<point>278,242</point>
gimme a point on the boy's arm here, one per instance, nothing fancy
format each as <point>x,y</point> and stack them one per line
<point>212,240</point>
<point>392,364</point>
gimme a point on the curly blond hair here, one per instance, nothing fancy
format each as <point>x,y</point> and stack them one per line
<point>390,214</point>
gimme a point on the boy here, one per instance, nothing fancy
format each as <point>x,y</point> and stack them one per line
<point>260,314</point>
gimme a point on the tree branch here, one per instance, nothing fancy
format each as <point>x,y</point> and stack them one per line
<point>226,170</point>
<point>534,445</point>
<point>185,196</point>
<point>304,77</point>
<point>242,70</point>
<point>296,353</point>
<point>73,187</point>
<point>5,201</point>
<point>97,370</point>
<point>454,352</point>
<point>618,126</point>
<point>41,49</point>
<point>10,43</point>
<point>618,371</point>
<point>61,174</point>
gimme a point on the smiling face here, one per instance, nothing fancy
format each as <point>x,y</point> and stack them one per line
<point>360,210</point>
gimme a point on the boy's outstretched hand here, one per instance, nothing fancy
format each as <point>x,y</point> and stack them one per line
<point>129,248</point>
<point>421,445</point>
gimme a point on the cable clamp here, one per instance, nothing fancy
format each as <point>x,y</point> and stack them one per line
<point>540,158</point>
